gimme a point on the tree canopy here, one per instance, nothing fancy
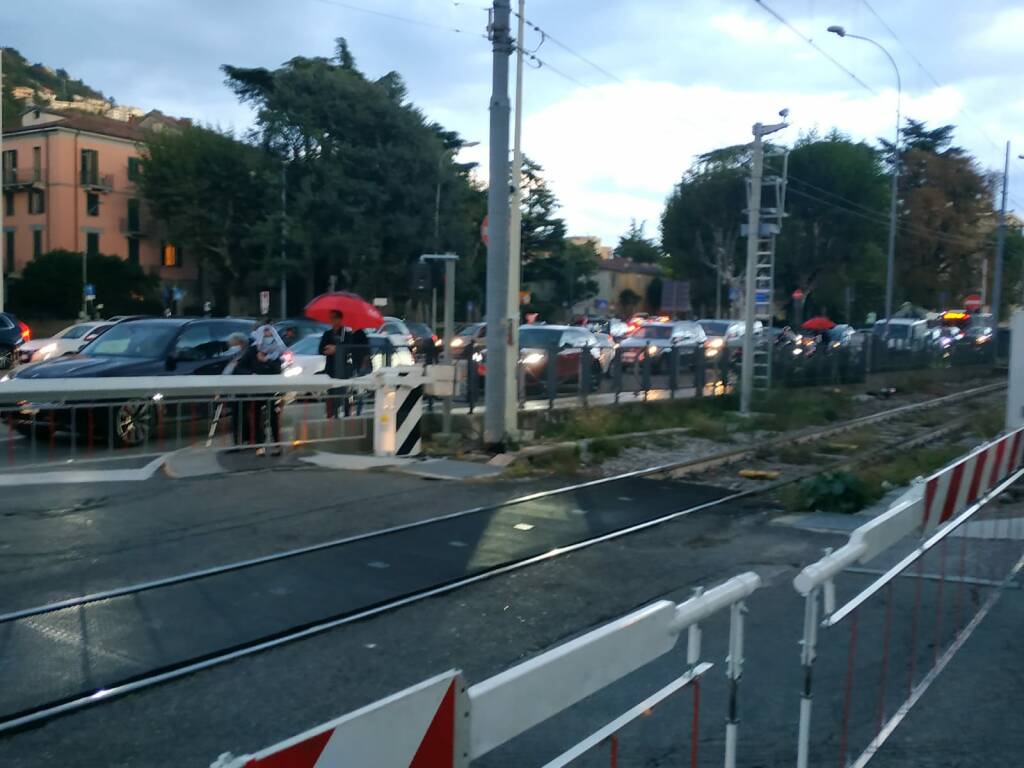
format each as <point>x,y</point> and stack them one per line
<point>634,245</point>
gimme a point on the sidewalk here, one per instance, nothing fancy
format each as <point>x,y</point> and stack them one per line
<point>972,714</point>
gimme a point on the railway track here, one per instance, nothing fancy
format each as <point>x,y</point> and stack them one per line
<point>248,607</point>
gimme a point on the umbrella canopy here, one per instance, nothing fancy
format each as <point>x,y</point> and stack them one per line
<point>357,313</point>
<point>819,323</point>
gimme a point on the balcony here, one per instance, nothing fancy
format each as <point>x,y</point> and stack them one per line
<point>24,178</point>
<point>96,182</point>
<point>134,226</point>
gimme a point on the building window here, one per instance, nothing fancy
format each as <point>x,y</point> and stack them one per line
<point>9,250</point>
<point>37,163</point>
<point>8,203</point>
<point>36,201</point>
<point>92,243</point>
<point>92,204</point>
<point>10,165</point>
<point>170,255</point>
<point>37,243</point>
<point>90,167</point>
<point>134,168</point>
<point>133,250</point>
<point>134,219</point>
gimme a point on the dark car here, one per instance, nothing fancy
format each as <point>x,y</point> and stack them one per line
<point>549,352</point>
<point>148,347</point>
<point>425,344</point>
<point>473,335</point>
<point>298,328</point>
<point>13,333</point>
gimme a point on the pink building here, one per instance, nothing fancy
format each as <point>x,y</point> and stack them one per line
<point>69,182</point>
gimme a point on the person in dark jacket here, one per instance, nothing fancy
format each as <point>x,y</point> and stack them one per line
<point>243,412</point>
<point>334,347</point>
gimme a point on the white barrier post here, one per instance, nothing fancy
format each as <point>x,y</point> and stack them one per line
<point>1015,391</point>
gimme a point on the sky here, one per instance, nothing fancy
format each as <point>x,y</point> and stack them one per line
<point>622,94</point>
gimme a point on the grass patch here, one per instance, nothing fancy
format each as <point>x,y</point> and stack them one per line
<point>989,422</point>
<point>603,448</point>
<point>785,410</point>
<point>798,453</point>
<point>563,461</point>
<point>582,423</point>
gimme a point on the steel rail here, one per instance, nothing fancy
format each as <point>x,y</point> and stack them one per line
<point>157,676</point>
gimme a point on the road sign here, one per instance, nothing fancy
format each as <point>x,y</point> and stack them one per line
<point>762,297</point>
<point>972,303</point>
<point>601,303</point>
<point>380,301</point>
<point>264,302</point>
<point>90,291</point>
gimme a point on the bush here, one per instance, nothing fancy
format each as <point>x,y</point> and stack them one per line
<point>834,492</point>
<point>50,286</point>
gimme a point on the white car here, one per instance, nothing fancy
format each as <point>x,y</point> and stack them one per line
<point>304,355</point>
<point>396,330</point>
<point>69,340</point>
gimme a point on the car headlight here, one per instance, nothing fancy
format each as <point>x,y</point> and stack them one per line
<point>458,342</point>
<point>46,351</point>
<point>798,351</point>
<point>716,343</point>
<point>652,350</point>
<point>835,345</point>
<point>533,358</point>
<point>478,357</point>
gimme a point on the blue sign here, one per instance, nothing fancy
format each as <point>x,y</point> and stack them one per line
<point>734,293</point>
<point>601,303</point>
<point>762,297</point>
<point>90,291</point>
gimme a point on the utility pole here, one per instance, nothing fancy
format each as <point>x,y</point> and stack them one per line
<point>753,235</point>
<point>515,236</point>
<point>500,351</point>
<point>284,238</point>
<point>3,234</point>
<point>997,278</point>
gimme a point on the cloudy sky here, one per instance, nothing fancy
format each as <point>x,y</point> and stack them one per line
<point>667,79</point>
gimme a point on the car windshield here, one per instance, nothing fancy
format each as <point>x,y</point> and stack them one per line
<point>653,332</point>
<point>75,331</point>
<point>715,327</point>
<point>307,346</point>
<point>539,337</point>
<point>421,329</point>
<point>898,331</point>
<point>149,340</point>
<point>469,330</point>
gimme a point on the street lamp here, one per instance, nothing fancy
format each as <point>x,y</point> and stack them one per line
<point>891,260</point>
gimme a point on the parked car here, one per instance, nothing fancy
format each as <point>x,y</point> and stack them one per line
<point>656,341</point>
<point>472,333</point>
<point>306,357</point>
<point>13,333</point>
<point>297,328</point>
<point>540,346</point>
<point>70,339</point>
<point>425,343</point>
<point>148,347</point>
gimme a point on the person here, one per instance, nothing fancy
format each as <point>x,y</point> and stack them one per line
<point>333,346</point>
<point>243,413</point>
<point>268,361</point>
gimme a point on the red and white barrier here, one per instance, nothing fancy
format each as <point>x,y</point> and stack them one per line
<point>420,727</point>
<point>441,724</point>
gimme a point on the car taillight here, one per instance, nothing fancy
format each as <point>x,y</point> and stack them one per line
<point>26,332</point>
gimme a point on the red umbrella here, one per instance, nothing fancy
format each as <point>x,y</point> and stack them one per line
<point>356,312</point>
<point>819,323</point>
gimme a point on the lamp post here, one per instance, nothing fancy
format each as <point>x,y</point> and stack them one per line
<point>891,259</point>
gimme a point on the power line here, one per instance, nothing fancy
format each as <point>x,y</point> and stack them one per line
<point>815,46</point>
<point>545,35</point>
<point>393,16</point>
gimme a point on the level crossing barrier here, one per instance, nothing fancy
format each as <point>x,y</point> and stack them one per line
<point>445,723</point>
<point>47,421</point>
<point>884,613</point>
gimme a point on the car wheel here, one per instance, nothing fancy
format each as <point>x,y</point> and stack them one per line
<point>6,358</point>
<point>132,424</point>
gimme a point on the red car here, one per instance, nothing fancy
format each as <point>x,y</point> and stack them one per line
<point>569,346</point>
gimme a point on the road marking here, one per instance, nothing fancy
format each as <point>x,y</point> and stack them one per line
<point>72,476</point>
<point>523,527</point>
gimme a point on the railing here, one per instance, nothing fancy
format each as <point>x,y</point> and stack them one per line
<point>444,724</point>
<point>97,181</point>
<point>943,533</point>
<point>24,177</point>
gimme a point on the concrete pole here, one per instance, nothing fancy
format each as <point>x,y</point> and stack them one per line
<point>3,235</point>
<point>515,234</point>
<point>753,231</point>
<point>499,343</point>
<point>449,330</point>
<point>997,278</point>
<point>284,239</point>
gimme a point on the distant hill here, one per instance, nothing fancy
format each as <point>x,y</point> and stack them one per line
<point>18,72</point>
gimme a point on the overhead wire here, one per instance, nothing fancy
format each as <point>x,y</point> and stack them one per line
<point>782,20</point>
<point>394,16</point>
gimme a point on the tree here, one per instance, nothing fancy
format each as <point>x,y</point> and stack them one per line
<point>362,169</point>
<point>636,247</point>
<point>543,233</point>
<point>217,198</point>
<point>700,227</point>
<point>629,300</point>
<point>50,286</point>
